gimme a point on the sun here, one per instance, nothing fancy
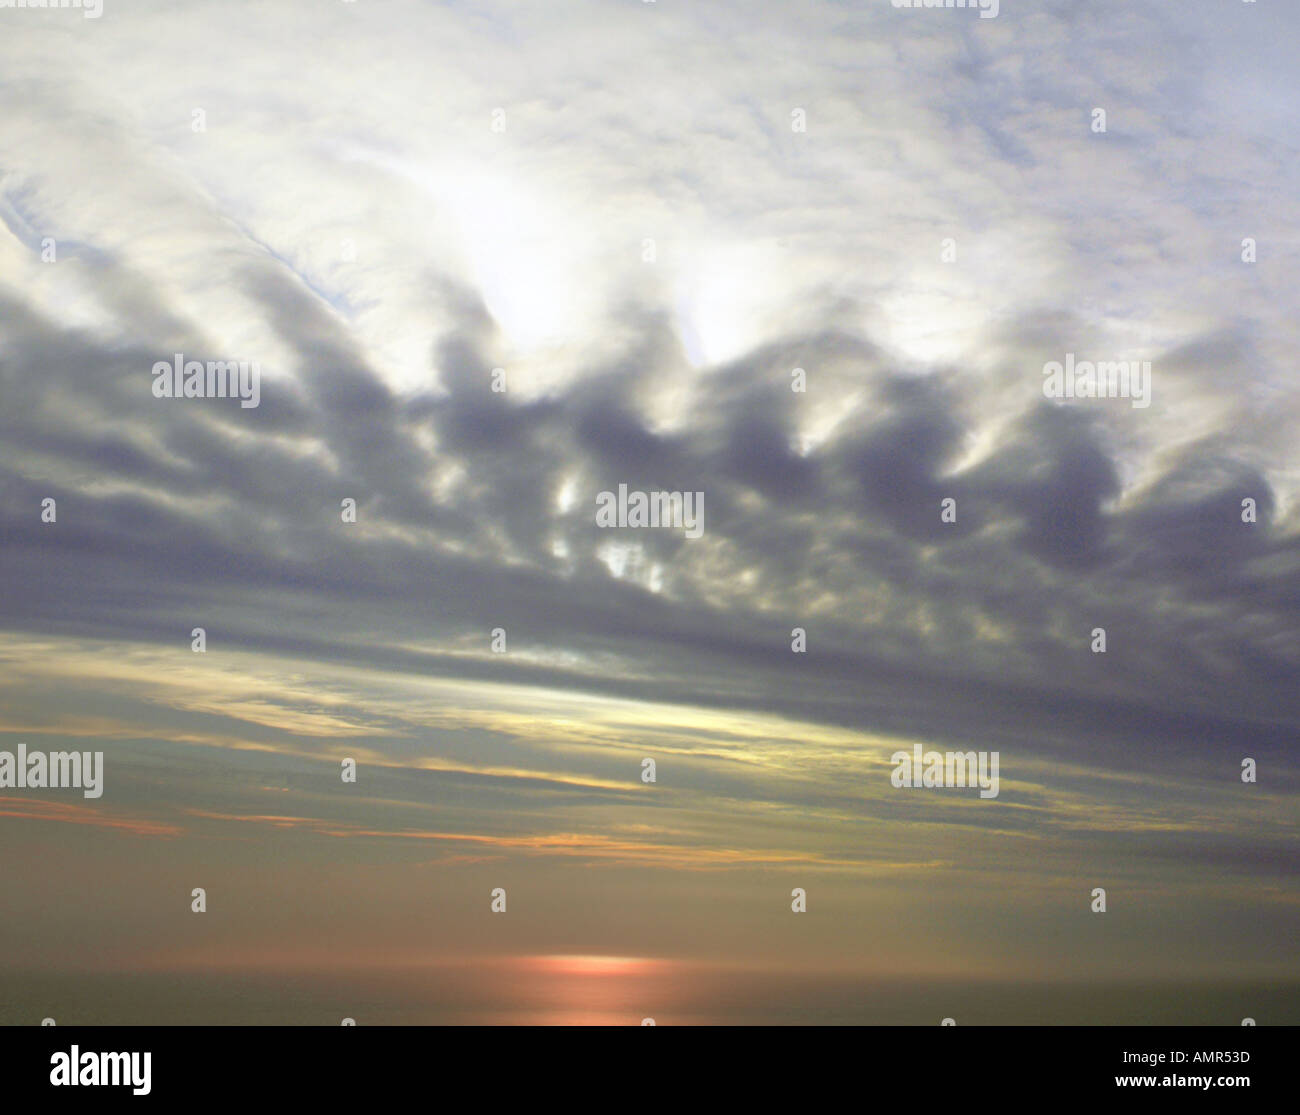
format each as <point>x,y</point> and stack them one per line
<point>593,965</point>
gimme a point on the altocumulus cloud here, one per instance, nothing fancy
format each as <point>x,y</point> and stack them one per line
<point>647,260</point>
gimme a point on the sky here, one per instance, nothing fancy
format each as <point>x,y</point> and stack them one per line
<point>492,259</point>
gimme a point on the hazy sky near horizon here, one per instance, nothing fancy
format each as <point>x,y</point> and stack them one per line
<point>611,202</point>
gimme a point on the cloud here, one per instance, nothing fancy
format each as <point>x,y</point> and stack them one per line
<point>647,250</point>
